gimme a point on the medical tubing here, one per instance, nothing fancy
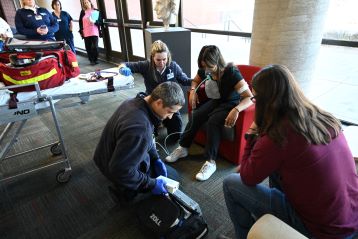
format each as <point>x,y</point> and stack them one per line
<point>163,147</point>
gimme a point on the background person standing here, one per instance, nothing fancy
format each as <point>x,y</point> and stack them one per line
<point>65,24</point>
<point>90,29</point>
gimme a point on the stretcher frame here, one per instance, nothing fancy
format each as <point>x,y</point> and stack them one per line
<point>26,110</point>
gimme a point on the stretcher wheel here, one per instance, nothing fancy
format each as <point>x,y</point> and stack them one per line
<point>56,149</point>
<point>63,176</point>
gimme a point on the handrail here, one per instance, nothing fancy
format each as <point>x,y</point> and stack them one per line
<point>235,25</point>
<point>185,19</point>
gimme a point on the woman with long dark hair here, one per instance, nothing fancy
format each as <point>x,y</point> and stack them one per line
<point>303,151</point>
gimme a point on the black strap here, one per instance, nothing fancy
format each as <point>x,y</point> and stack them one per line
<point>13,101</point>
<point>110,86</point>
<point>67,62</point>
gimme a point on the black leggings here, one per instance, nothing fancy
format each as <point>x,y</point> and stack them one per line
<point>91,44</point>
<point>213,113</point>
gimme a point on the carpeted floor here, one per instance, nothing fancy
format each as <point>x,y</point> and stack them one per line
<point>36,206</point>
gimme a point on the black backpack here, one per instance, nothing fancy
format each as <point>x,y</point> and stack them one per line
<point>169,218</point>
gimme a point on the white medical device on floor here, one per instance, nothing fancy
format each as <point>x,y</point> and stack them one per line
<point>171,185</point>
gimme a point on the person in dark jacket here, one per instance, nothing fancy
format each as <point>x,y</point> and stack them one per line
<point>35,22</point>
<point>126,153</point>
<point>160,68</point>
<point>90,22</point>
<point>64,20</point>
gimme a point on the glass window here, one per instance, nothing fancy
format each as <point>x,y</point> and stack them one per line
<point>72,7</point>
<point>234,49</point>
<point>100,42</point>
<point>342,20</point>
<point>77,39</point>
<point>94,2</point>
<point>226,15</point>
<point>154,13</point>
<point>137,42</point>
<point>114,38</point>
<point>133,8</point>
<point>110,9</point>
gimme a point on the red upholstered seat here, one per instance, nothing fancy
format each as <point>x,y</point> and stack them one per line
<point>233,143</point>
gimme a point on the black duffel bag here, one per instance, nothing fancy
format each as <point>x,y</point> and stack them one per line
<point>164,217</point>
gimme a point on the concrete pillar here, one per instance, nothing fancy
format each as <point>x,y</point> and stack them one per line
<point>288,32</point>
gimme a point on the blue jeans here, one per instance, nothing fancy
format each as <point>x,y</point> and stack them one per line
<point>246,204</point>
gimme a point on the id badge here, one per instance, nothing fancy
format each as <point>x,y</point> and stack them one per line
<point>38,17</point>
<point>170,76</point>
<point>59,19</point>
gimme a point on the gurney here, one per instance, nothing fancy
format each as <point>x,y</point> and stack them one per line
<point>31,104</point>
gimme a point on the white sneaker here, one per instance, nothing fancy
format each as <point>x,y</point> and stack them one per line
<point>178,153</point>
<point>206,171</point>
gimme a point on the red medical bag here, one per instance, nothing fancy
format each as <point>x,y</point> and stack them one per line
<point>29,68</point>
<point>48,63</point>
<point>68,60</point>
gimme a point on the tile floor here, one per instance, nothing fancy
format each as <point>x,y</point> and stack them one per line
<point>334,86</point>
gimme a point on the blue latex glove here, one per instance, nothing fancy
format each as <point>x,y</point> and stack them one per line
<point>159,187</point>
<point>160,168</point>
<point>125,71</point>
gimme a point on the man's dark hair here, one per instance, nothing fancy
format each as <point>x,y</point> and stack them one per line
<point>170,93</point>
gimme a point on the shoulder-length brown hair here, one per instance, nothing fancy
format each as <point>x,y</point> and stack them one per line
<point>280,99</point>
<point>211,55</point>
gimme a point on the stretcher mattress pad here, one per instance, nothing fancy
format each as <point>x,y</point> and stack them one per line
<point>74,87</point>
